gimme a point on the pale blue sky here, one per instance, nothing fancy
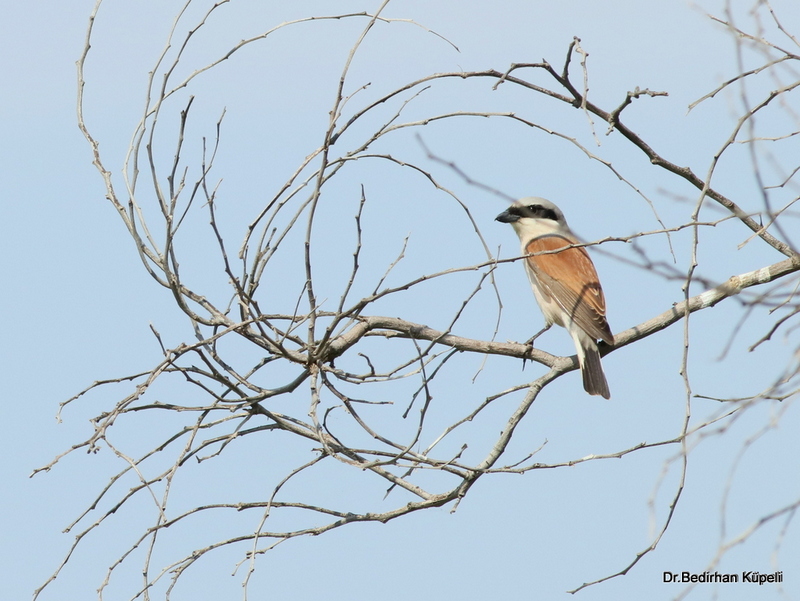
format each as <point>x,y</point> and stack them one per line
<point>78,303</point>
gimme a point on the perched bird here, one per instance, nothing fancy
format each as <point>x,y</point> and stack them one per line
<point>564,282</point>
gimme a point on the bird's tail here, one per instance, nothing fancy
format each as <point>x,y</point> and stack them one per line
<point>594,380</point>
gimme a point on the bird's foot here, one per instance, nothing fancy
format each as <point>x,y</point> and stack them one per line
<point>530,340</point>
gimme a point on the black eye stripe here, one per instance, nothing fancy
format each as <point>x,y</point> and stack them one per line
<point>537,211</point>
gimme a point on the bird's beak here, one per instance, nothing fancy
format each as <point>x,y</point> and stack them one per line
<point>506,217</point>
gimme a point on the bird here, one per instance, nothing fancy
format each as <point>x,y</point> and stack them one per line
<point>564,282</point>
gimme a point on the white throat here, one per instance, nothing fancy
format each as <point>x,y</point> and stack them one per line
<point>529,228</point>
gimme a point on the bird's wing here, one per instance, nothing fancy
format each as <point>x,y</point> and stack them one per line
<point>570,278</point>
